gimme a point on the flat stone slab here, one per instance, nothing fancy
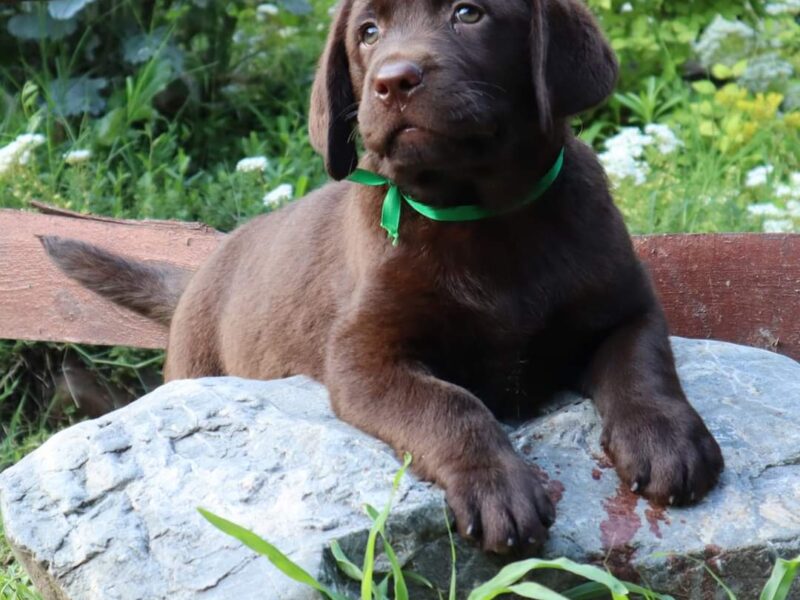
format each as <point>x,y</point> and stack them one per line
<point>107,508</point>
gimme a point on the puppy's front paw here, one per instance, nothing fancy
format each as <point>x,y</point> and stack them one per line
<point>665,453</point>
<point>504,507</point>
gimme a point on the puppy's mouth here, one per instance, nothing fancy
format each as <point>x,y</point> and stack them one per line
<point>413,134</point>
<point>410,144</point>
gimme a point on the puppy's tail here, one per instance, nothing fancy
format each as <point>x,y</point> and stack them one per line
<point>152,290</point>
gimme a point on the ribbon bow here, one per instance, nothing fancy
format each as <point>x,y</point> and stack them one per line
<point>393,201</point>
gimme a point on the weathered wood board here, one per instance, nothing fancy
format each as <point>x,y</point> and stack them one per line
<point>742,288</point>
<point>37,302</point>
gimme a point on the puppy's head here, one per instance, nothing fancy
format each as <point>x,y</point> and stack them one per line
<point>435,84</point>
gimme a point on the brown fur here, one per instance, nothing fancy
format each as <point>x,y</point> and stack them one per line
<point>423,345</point>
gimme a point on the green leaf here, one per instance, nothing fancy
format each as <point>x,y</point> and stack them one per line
<point>275,556</point>
<point>649,594</point>
<point>587,591</point>
<point>722,72</point>
<point>400,588</point>
<point>452,593</point>
<point>780,582</point>
<point>536,591</point>
<point>594,591</point>
<point>512,573</point>
<point>344,564</point>
<point>704,88</point>
<point>30,26</point>
<point>66,9</point>
<point>112,126</point>
<point>739,68</point>
<point>420,579</point>
<point>377,526</point>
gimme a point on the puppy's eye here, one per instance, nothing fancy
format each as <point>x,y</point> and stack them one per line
<point>370,34</point>
<point>468,14</point>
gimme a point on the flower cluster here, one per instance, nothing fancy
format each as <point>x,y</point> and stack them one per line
<point>725,42</point>
<point>252,164</point>
<point>76,157</point>
<point>280,194</point>
<point>785,7</point>
<point>775,218</point>
<point>18,152</point>
<point>625,152</point>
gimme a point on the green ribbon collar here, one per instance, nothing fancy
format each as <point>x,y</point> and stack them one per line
<point>393,202</point>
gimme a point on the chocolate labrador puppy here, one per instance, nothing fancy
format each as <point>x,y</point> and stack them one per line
<point>423,343</point>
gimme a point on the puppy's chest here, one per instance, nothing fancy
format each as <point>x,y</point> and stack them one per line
<point>483,326</point>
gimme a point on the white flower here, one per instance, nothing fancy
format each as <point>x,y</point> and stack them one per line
<point>269,10</point>
<point>784,7</point>
<point>624,155</point>
<point>758,176</point>
<point>620,165</point>
<point>252,164</point>
<point>765,209</point>
<point>626,8</point>
<point>75,157</point>
<point>793,208</point>
<point>763,72</point>
<point>280,194</point>
<point>287,32</point>
<point>18,152</point>
<point>666,139</point>
<point>778,226</point>
<point>725,42</point>
<point>629,140</point>
<point>783,191</point>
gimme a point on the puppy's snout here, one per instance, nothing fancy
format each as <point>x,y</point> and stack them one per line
<point>396,80</point>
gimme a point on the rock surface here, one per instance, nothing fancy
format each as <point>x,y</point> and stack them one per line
<point>106,509</point>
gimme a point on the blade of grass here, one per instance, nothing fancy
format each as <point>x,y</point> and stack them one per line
<point>780,582</point>
<point>512,573</point>
<point>646,593</point>
<point>400,587</point>
<point>587,591</point>
<point>344,563</point>
<point>275,556</point>
<point>423,581</point>
<point>452,594</point>
<point>537,591</point>
<point>714,576</point>
<point>377,526</point>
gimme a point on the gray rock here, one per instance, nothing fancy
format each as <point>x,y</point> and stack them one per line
<point>106,509</point>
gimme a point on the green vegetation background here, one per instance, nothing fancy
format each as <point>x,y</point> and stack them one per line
<point>144,110</point>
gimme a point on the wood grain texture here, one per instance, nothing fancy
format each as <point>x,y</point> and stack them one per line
<point>37,302</point>
<point>742,288</point>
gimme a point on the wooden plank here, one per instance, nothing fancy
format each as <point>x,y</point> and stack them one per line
<point>742,288</point>
<point>37,302</point>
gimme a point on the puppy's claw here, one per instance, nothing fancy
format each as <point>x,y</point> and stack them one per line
<point>635,486</point>
<point>671,500</point>
<point>532,541</point>
<point>470,529</point>
<point>511,542</point>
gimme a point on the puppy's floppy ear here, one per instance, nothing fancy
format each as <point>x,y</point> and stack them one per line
<point>332,98</point>
<point>574,68</point>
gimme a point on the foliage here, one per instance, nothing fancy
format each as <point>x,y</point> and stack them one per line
<point>510,580</point>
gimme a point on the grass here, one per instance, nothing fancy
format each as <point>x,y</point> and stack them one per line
<point>512,579</point>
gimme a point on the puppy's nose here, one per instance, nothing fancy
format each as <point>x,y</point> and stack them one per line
<point>396,80</point>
